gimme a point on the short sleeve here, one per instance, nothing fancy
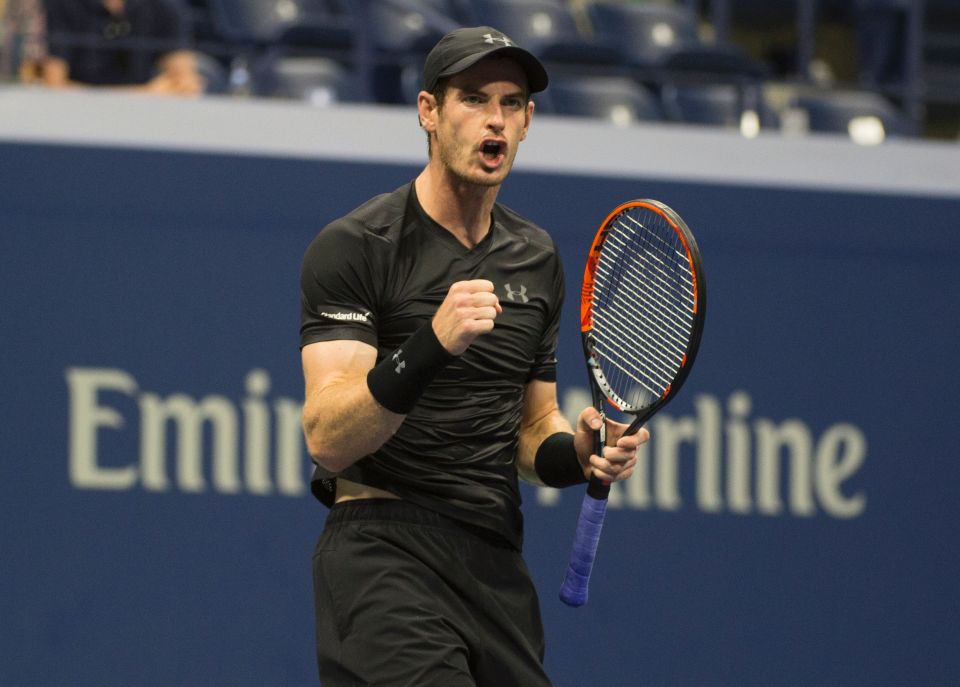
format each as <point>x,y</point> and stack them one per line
<point>338,288</point>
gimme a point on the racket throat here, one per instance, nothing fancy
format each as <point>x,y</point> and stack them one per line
<point>598,488</point>
<point>600,436</point>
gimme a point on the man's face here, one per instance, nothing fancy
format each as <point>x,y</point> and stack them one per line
<point>484,116</point>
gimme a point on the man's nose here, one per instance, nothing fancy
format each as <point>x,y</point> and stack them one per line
<point>495,118</point>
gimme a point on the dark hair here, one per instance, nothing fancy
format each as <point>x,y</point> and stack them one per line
<point>439,94</point>
<point>440,90</point>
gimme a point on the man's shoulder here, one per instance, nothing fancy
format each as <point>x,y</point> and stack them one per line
<point>373,219</point>
<point>380,212</point>
<point>516,223</point>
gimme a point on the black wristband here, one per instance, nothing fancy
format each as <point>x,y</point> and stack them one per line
<point>398,380</point>
<point>556,463</point>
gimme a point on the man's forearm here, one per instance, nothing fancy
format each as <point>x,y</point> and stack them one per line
<point>342,423</point>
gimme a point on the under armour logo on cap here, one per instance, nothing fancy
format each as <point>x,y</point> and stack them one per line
<point>491,39</point>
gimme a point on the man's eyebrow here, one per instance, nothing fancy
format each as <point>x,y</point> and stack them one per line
<point>519,94</point>
<point>478,86</point>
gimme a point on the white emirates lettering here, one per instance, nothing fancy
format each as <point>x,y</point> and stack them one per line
<point>721,459</point>
<point>253,445</point>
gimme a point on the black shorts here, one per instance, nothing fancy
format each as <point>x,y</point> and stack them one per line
<point>405,596</point>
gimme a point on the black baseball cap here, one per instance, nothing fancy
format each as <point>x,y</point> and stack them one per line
<point>462,48</point>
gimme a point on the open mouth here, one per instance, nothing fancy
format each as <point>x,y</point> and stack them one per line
<point>491,150</point>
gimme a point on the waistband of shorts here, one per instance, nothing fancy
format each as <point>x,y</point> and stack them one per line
<point>398,510</point>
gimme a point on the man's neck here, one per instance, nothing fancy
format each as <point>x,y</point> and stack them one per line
<point>461,208</point>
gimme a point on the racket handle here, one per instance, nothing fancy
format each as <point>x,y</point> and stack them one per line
<point>576,583</point>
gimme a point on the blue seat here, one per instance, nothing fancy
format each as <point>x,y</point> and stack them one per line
<point>618,99</point>
<point>250,30</point>
<point>716,105</point>
<point>864,115</point>
<point>396,38</point>
<point>546,28</point>
<point>405,26</point>
<point>304,24</point>
<point>319,81</point>
<point>662,41</point>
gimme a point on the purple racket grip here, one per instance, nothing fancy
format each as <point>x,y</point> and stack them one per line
<point>576,584</point>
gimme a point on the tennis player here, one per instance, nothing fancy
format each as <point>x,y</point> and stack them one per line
<point>429,329</point>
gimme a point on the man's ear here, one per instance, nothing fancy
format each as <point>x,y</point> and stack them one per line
<point>529,118</point>
<point>427,111</point>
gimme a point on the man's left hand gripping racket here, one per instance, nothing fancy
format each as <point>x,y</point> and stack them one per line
<point>641,316</point>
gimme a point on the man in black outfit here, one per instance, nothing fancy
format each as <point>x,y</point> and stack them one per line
<point>429,328</point>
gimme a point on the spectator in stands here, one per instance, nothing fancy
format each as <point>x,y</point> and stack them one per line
<point>139,44</point>
<point>23,46</point>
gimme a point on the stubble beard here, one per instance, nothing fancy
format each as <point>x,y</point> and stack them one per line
<point>451,159</point>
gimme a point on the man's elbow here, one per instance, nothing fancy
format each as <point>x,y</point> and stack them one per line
<point>322,454</point>
<point>320,450</point>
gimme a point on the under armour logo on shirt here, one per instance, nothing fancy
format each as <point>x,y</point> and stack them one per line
<point>491,39</point>
<point>400,363</point>
<point>520,295</point>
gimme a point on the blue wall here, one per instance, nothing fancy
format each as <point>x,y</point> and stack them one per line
<point>794,520</point>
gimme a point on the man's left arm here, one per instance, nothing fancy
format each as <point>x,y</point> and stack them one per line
<point>551,452</point>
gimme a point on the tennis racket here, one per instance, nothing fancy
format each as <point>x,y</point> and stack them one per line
<point>641,317</point>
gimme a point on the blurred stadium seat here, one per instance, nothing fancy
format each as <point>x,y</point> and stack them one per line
<point>302,24</point>
<point>719,105</point>
<point>865,116</point>
<point>617,99</point>
<point>404,26</point>
<point>907,51</point>
<point>397,36</point>
<point>662,42</point>
<point>546,28</point>
<point>246,32</point>
<point>319,81</point>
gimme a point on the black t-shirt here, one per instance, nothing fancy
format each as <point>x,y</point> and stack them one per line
<point>108,50</point>
<point>378,274</point>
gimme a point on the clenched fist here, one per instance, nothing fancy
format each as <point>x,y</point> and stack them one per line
<point>467,311</point>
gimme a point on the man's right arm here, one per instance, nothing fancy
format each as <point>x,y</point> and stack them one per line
<point>342,422</point>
